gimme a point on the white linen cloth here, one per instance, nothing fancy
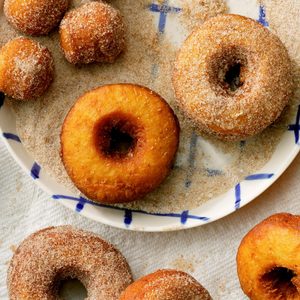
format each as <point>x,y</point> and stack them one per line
<point>208,252</point>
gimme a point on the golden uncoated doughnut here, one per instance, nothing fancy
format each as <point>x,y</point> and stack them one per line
<point>118,142</point>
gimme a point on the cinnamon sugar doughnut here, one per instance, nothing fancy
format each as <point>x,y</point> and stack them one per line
<point>118,142</point>
<point>166,285</point>
<point>232,77</point>
<point>49,256</point>
<point>26,69</point>
<point>94,32</point>
<point>268,259</point>
<point>35,17</point>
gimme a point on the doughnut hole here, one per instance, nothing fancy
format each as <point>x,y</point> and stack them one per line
<point>26,69</point>
<point>93,32</point>
<point>228,68</point>
<point>232,77</point>
<point>35,17</point>
<point>278,283</point>
<point>117,136</point>
<point>68,283</point>
<point>72,288</point>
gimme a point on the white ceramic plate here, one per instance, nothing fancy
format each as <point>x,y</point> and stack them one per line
<point>212,210</point>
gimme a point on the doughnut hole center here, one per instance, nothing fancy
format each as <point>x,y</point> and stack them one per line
<point>278,282</point>
<point>117,136</point>
<point>228,68</point>
<point>72,289</point>
<point>232,79</point>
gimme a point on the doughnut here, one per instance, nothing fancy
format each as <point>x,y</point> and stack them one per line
<point>166,285</point>
<point>232,77</point>
<point>118,142</point>
<point>93,32</point>
<point>35,17</point>
<point>48,257</point>
<point>268,259</point>
<point>26,69</point>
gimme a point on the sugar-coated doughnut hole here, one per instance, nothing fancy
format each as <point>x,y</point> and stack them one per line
<point>26,69</point>
<point>35,17</point>
<point>93,32</point>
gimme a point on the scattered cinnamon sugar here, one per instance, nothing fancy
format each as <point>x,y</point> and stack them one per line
<point>284,21</point>
<point>13,248</point>
<point>195,12</point>
<point>183,264</point>
<point>205,167</point>
<point>221,288</point>
<point>19,184</point>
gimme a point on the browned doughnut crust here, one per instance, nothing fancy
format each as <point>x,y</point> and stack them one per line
<point>26,69</point>
<point>93,129</point>
<point>268,259</point>
<point>207,85</point>
<point>35,17</point>
<point>53,254</point>
<point>166,285</point>
<point>93,32</point>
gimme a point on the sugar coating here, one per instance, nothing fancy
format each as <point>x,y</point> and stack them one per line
<point>166,285</point>
<point>26,69</point>
<point>201,64</point>
<point>53,254</point>
<point>35,17</point>
<point>93,32</point>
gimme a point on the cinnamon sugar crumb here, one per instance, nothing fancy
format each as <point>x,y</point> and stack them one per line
<point>13,248</point>
<point>195,12</point>
<point>183,264</point>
